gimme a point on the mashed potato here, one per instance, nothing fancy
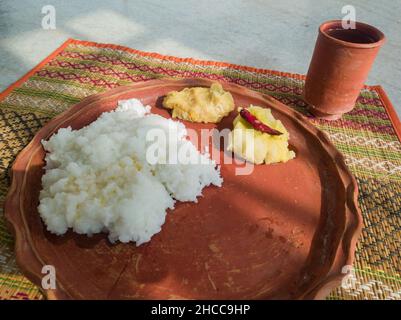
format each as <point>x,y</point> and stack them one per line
<point>98,178</point>
<point>256,146</point>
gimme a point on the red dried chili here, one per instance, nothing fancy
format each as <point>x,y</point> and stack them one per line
<point>257,124</point>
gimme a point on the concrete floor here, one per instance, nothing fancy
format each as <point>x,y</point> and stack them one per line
<point>262,33</point>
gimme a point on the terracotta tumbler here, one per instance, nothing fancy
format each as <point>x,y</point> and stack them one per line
<point>339,67</point>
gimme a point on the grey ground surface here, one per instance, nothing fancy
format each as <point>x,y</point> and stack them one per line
<point>266,34</point>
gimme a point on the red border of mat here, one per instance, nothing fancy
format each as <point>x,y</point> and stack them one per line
<point>382,94</point>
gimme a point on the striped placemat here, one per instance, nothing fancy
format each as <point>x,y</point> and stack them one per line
<point>368,137</point>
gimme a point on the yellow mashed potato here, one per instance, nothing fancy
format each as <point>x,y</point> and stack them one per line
<point>256,146</point>
<point>200,104</point>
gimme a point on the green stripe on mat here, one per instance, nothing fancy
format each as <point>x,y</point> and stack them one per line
<point>15,108</point>
<point>69,83</point>
<point>380,274</point>
<point>360,152</point>
<point>47,94</point>
<point>356,132</point>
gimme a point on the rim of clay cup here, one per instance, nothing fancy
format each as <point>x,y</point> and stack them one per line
<point>364,27</point>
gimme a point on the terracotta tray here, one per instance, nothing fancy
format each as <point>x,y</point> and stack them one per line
<point>283,232</point>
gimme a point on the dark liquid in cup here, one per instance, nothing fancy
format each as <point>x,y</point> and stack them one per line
<point>351,35</point>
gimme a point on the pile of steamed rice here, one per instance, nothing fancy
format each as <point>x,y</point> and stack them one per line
<point>98,178</point>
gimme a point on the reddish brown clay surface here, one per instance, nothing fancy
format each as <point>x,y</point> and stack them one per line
<point>339,67</point>
<point>283,232</point>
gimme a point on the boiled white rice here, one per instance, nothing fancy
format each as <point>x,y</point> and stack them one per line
<point>98,178</point>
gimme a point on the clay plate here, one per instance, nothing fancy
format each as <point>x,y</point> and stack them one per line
<point>283,232</point>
